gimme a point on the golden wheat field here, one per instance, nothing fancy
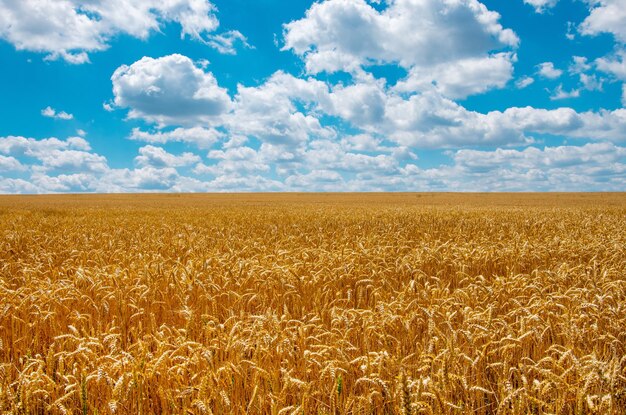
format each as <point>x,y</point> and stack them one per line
<point>313,304</point>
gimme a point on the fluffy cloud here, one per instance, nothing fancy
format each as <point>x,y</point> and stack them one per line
<point>579,65</point>
<point>443,43</point>
<point>52,154</point>
<point>234,161</point>
<point>408,32</point>
<point>170,90</point>
<point>547,70</point>
<point>52,113</point>
<point>614,65</point>
<point>465,77</point>
<point>70,29</point>
<point>285,112</point>
<point>8,163</point>
<point>589,167</point>
<point>198,136</point>
<point>541,5</point>
<point>559,93</point>
<point>598,154</point>
<point>23,146</point>
<point>329,165</point>
<point>159,158</point>
<point>269,111</point>
<point>68,161</point>
<point>606,16</point>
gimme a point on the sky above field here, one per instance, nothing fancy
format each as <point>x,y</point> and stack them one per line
<point>334,95</point>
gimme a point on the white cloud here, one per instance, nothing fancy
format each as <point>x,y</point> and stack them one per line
<point>547,70</point>
<point>269,111</point>
<point>601,125</point>
<point>316,180</point>
<point>239,160</point>
<point>146,178</point>
<point>67,161</point>
<point>431,120</point>
<point>579,65</point>
<point>598,154</point>
<point>606,16</point>
<point>52,154</point>
<point>624,95</point>
<point>70,29</point>
<point>198,136</point>
<point>52,113</point>
<point>362,142</point>
<point>448,44</point>
<point>593,166</point>
<point>12,186</point>
<point>559,93</point>
<point>524,82</point>
<point>541,5</point>
<point>462,78</point>
<point>225,43</point>
<point>614,65</point>
<point>591,82</point>
<point>158,157</point>
<point>22,146</point>
<point>170,90</point>
<point>8,163</point>
<point>411,33</point>
<point>324,154</point>
<point>571,31</point>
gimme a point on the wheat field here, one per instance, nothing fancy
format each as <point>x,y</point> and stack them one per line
<point>313,304</point>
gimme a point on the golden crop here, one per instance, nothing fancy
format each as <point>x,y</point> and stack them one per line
<point>313,304</point>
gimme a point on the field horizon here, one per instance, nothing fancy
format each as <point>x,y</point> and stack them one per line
<point>420,198</point>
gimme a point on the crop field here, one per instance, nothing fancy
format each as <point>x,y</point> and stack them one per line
<point>313,304</point>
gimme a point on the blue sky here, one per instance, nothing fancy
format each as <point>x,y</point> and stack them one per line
<point>334,95</point>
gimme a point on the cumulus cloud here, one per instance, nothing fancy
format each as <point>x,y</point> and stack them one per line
<point>269,112</point>
<point>407,32</point>
<point>23,146</point>
<point>52,113</point>
<point>606,16</point>
<point>158,157</point>
<point>316,180</point>
<point>8,163</point>
<point>462,78</point>
<point>547,70</point>
<point>579,65</point>
<point>71,29</point>
<point>328,165</point>
<point>541,5</point>
<point>20,186</point>
<point>448,44</point>
<point>234,161</point>
<point>592,166</point>
<point>559,93</point>
<point>53,154</point>
<point>170,90</point>
<point>198,136</point>
<point>591,82</point>
<point>614,65</point>
<point>71,161</point>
